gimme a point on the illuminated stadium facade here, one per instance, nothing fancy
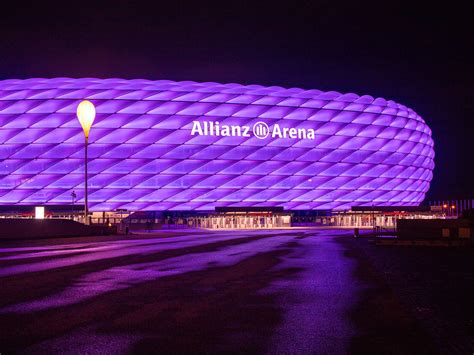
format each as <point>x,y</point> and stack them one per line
<point>164,145</point>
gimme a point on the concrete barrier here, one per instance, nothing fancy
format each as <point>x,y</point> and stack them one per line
<point>433,228</point>
<point>11,229</point>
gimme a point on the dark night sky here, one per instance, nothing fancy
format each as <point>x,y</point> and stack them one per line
<point>418,55</point>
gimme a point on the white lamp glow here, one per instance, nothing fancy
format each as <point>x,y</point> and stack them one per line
<point>39,212</point>
<point>86,115</point>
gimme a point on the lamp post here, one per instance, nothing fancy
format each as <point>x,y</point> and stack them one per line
<point>73,197</point>
<point>86,115</point>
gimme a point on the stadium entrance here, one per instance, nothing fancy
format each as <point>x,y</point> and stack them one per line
<point>244,218</point>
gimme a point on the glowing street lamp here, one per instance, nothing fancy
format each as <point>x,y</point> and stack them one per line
<point>86,115</point>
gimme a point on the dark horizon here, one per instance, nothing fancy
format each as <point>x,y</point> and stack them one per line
<point>417,56</point>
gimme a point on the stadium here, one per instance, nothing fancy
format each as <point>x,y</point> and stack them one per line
<point>188,146</point>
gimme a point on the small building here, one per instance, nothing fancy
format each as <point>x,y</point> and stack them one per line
<point>383,216</point>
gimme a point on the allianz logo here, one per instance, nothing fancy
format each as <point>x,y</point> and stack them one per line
<point>260,130</point>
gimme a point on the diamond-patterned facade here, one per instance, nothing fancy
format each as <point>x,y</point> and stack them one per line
<point>143,155</point>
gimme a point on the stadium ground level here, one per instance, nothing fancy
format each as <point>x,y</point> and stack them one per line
<point>234,217</point>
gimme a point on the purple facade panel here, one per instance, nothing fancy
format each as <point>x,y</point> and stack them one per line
<point>164,145</point>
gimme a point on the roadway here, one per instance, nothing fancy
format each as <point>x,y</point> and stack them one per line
<point>277,291</point>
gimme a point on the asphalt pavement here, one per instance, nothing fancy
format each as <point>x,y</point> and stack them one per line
<point>273,291</point>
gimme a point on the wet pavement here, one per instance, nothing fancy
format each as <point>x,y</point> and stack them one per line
<point>279,291</point>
